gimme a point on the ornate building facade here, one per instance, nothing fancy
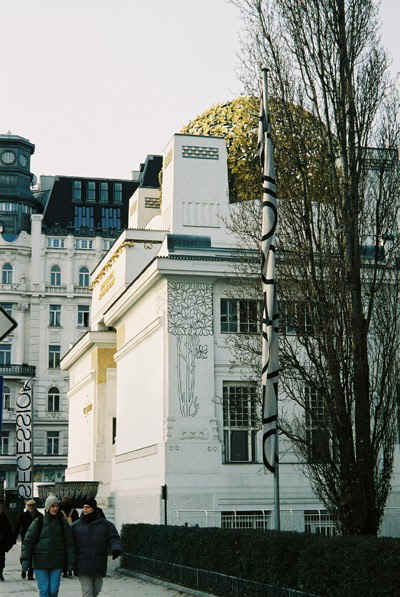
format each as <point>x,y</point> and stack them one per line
<point>52,235</point>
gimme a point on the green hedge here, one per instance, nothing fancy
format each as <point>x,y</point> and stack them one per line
<point>329,567</point>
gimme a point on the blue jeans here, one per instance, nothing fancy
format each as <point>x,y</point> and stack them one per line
<point>48,581</point>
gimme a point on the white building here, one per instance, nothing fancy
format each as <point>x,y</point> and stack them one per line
<point>51,237</point>
<point>154,398</point>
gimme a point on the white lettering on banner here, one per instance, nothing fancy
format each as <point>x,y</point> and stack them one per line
<point>24,443</point>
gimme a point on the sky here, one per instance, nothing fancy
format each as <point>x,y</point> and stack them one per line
<point>97,85</point>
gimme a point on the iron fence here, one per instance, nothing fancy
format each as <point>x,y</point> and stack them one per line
<point>206,580</point>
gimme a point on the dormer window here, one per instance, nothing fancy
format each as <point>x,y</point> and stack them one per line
<point>91,191</point>
<point>77,190</point>
<point>104,192</point>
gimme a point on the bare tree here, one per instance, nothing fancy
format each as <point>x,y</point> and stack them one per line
<point>338,240</point>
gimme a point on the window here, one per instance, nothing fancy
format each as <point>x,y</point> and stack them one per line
<point>317,436</point>
<point>108,243</point>
<point>83,243</point>
<point>55,243</point>
<point>91,191</point>
<point>117,192</point>
<point>319,522</point>
<point>110,217</point>
<point>7,274</point>
<point>5,354</point>
<point>83,217</point>
<point>4,443</point>
<point>83,316</point>
<point>104,192</point>
<point>55,316</point>
<point>53,400</point>
<point>55,276</point>
<point>259,519</point>
<point>241,315</point>
<point>77,190</point>
<point>54,356</point>
<point>53,439</point>
<point>6,398</point>
<point>295,318</point>
<point>240,422</point>
<point>7,307</point>
<point>84,277</point>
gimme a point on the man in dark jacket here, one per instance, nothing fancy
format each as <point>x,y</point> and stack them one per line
<point>6,538</point>
<point>94,537</point>
<point>23,525</point>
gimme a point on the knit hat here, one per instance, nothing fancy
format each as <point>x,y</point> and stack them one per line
<point>90,501</point>
<point>50,501</point>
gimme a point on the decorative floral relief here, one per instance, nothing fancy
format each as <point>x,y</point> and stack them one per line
<point>190,316</point>
<point>190,309</point>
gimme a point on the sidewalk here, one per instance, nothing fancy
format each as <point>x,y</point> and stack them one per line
<point>115,585</point>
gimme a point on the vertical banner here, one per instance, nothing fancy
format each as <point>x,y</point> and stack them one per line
<point>1,402</point>
<point>24,443</point>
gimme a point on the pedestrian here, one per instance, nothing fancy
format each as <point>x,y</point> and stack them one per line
<point>94,537</point>
<point>70,515</point>
<point>23,524</point>
<point>6,538</point>
<point>48,547</point>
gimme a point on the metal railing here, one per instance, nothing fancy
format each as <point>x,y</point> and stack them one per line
<point>18,370</point>
<point>206,580</point>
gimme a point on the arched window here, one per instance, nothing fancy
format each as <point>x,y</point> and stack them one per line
<point>55,276</point>
<point>6,398</point>
<point>84,277</point>
<point>53,400</point>
<point>7,274</point>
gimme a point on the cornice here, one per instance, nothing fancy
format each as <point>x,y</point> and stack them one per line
<point>84,344</point>
<point>142,335</point>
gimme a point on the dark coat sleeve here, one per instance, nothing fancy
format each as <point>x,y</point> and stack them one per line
<point>7,537</point>
<point>69,545</point>
<point>29,541</point>
<point>114,541</point>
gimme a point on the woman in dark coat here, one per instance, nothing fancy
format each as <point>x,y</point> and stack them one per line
<point>6,538</point>
<point>94,537</point>
<point>49,545</point>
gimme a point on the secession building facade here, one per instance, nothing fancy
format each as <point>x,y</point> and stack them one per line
<point>52,235</point>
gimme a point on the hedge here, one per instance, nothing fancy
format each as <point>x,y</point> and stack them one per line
<point>325,566</point>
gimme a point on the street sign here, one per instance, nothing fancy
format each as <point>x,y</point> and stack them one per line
<point>7,324</point>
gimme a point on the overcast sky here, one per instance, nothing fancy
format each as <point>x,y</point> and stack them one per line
<point>97,85</point>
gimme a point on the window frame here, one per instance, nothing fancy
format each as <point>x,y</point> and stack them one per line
<point>53,443</point>
<point>4,443</point>
<point>317,437</point>
<point>83,312</point>
<point>54,356</point>
<point>55,316</point>
<point>7,352</point>
<point>240,435</point>
<point>84,277</point>
<point>55,276</point>
<point>7,398</point>
<point>7,273</point>
<point>234,320</point>
<point>53,400</point>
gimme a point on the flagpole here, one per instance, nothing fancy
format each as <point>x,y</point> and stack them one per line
<point>270,319</point>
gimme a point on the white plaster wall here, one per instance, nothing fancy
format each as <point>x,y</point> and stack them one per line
<point>139,395</point>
